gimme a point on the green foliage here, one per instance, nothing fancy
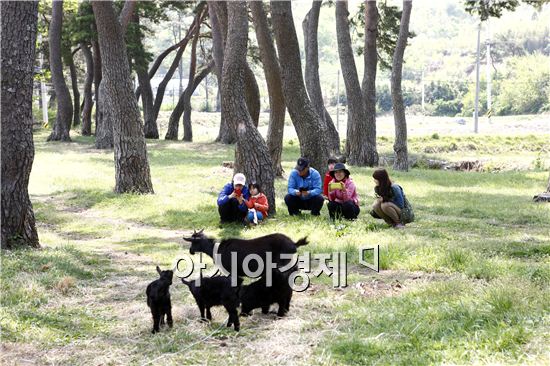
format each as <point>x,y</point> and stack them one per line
<point>525,86</point>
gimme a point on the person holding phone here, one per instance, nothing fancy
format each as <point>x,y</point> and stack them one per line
<point>305,189</point>
<point>232,200</point>
<point>342,195</point>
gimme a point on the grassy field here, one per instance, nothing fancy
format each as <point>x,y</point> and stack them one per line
<point>467,283</point>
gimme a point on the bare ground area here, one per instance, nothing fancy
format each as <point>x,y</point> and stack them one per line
<point>118,296</point>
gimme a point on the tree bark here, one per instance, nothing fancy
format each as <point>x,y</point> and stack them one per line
<point>104,120</point>
<point>251,153</point>
<point>359,149</point>
<point>131,164</point>
<point>310,26</point>
<point>309,127</point>
<point>76,92</point>
<point>64,116</point>
<point>370,58</point>
<point>19,27</point>
<point>86,128</point>
<point>400,145</point>
<point>173,124</point>
<point>272,73</point>
<point>252,93</point>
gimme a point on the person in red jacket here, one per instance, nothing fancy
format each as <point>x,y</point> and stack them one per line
<point>257,204</point>
<point>331,161</point>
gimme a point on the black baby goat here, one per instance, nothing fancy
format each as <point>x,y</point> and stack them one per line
<point>214,291</point>
<point>158,299</point>
<point>259,295</point>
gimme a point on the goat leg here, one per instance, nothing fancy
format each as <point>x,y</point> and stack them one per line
<point>169,319</point>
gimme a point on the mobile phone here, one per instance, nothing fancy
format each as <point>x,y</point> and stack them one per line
<point>335,186</point>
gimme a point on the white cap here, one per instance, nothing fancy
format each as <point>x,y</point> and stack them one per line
<point>239,178</point>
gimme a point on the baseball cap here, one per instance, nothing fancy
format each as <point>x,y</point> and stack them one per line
<point>301,164</point>
<point>239,178</point>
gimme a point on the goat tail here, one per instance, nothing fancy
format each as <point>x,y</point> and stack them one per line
<point>302,241</point>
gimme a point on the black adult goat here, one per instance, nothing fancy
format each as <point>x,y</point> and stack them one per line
<point>276,244</point>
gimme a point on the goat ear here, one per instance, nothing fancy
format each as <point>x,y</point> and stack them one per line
<point>194,231</point>
<point>188,239</point>
<point>158,270</point>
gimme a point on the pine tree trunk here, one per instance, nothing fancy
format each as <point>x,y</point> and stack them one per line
<point>370,57</point>
<point>252,94</point>
<point>19,28</point>
<point>104,121</point>
<point>358,147</point>
<point>76,92</point>
<point>226,135</point>
<point>310,26</point>
<point>86,128</point>
<point>150,128</point>
<point>400,145</point>
<point>272,73</point>
<point>131,165</point>
<point>309,127</point>
<point>251,153</point>
<point>187,126</point>
<point>97,79</point>
<point>173,67</point>
<point>173,124</point>
<point>64,116</point>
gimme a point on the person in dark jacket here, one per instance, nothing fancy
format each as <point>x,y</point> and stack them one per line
<point>232,200</point>
<point>304,189</point>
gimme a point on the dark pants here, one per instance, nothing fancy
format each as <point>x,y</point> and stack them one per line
<point>295,204</point>
<point>347,209</point>
<point>229,211</point>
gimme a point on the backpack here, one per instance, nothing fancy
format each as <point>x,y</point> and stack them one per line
<point>407,213</point>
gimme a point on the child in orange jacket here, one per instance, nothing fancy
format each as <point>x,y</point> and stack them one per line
<point>257,204</point>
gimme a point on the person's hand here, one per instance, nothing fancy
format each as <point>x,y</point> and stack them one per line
<point>342,187</point>
<point>232,195</point>
<point>305,193</point>
<point>298,193</point>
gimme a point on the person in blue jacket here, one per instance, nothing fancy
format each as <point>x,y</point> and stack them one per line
<point>232,200</point>
<point>305,189</point>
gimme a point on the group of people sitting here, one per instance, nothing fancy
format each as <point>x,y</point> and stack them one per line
<point>238,202</point>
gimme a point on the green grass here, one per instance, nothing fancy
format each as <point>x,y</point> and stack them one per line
<point>480,247</point>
